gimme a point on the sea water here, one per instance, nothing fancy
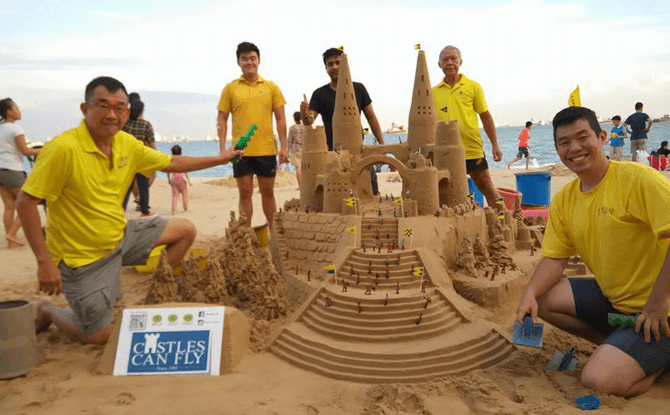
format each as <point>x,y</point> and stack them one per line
<point>541,143</point>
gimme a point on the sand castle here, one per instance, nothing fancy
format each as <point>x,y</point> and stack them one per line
<point>416,253</point>
<point>383,289</point>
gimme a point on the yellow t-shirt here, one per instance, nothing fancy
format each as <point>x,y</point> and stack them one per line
<point>84,196</point>
<point>462,103</point>
<point>621,229</point>
<point>253,104</point>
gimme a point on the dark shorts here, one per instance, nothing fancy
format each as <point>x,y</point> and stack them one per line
<point>263,166</point>
<point>12,178</point>
<point>592,308</point>
<point>523,151</point>
<point>92,290</point>
<point>476,164</point>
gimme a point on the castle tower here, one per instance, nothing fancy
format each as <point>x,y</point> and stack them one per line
<point>422,117</point>
<point>314,160</point>
<point>347,131</point>
<point>450,155</point>
<point>337,184</point>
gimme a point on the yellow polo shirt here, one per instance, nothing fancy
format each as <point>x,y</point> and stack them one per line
<point>621,229</point>
<point>462,103</point>
<point>253,104</point>
<point>84,196</point>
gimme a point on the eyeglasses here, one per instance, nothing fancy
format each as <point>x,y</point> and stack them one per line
<point>118,110</point>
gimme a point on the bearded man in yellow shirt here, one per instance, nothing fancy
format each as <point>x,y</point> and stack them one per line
<point>616,217</point>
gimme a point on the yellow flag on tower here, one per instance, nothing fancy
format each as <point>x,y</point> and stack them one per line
<point>352,230</point>
<point>575,100</point>
<point>398,201</point>
<point>417,46</point>
<point>341,48</point>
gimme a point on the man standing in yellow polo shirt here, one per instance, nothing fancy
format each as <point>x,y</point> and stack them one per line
<point>84,174</point>
<point>461,99</point>
<point>253,100</point>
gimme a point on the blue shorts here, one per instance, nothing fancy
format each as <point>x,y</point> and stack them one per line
<point>592,307</point>
<point>263,166</point>
<point>523,151</point>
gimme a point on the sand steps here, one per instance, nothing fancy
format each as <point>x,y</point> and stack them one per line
<point>397,362</point>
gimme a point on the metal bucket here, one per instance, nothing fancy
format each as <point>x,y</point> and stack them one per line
<point>18,344</point>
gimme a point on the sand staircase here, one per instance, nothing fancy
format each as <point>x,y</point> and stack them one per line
<point>391,337</point>
<point>388,230</point>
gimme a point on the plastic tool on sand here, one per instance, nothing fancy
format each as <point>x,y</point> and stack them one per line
<point>243,141</point>
<point>588,402</point>
<point>563,362</point>
<point>623,320</point>
<point>528,334</point>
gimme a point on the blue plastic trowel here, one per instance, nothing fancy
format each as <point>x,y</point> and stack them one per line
<point>563,362</point>
<point>528,334</point>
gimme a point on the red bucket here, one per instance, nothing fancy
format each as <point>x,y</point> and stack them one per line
<point>510,197</point>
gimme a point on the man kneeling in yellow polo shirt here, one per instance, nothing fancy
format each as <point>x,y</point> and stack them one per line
<point>616,217</point>
<point>84,174</point>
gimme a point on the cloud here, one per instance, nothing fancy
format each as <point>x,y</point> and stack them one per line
<point>115,16</point>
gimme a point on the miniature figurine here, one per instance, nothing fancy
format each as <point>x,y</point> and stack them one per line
<point>344,286</point>
<point>358,279</point>
<point>418,320</point>
<point>423,286</point>
<point>363,246</point>
<point>309,275</point>
<point>386,299</point>
<point>532,250</point>
<point>398,263</point>
<point>379,249</point>
<point>428,301</point>
<point>351,271</point>
<point>397,288</point>
<point>514,267</point>
<point>387,260</point>
<point>502,271</point>
<point>402,244</point>
<point>377,280</point>
<point>369,224</point>
<point>328,301</point>
<point>360,307</point>
<point>368,290</point>
<point>370,267</point>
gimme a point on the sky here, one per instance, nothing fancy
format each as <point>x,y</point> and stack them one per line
<point>528,55</point>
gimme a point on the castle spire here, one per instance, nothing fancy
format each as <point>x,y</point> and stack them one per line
<point>347,131</point>
<point>422,117</point>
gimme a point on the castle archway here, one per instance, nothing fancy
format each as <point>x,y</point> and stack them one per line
<point>361,171</point>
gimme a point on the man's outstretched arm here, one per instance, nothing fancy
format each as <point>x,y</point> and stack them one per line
<point>184,164</point>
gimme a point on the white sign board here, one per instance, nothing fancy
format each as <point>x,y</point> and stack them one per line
<point>159,341</point>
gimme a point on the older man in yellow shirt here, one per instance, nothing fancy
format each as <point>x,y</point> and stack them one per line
<point>459,98</point>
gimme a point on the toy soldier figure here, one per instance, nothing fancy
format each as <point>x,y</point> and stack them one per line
<point>358,278</point>
<point>377,276</point>
<point>344,286</point>
<point>428,301</point>
<point>380,213</point>
<point>502,271</point>
<point>532,250</point>
<point>418,320</point>
<point>423,286</point>
<point>395,213</point>
<point>370,267</point>
<point>395,243</point>
<point>486,274</point>
<point>514,266</point>
<point>328,301</point>
<point>376,280</point>
<point>397,288</point>
<point>388,272</point>
<point>360,307</point>
<point>363,246</point>
<point>379,249</point>
<point>391,197</point>
<point>387,196</point>
<point>376,233</point>
<point>387,260</point>
<point>368,290</point>
<point>398,263</point>
<point>402,244</point>
<point>309,275</point>
<point>381,221</point>
<point>369,224</point>
<point>388,236</point>
<point>374,245</point>
<point>386,300</point>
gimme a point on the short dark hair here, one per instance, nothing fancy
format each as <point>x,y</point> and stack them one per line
<point>617,118</point>
<point>5,105</point>
<point>331,52</point>
<point>111,84</point>
<point>638,105</point>
<point>134,96</point>
<point>296,116</point>
<point>136,109</point>
<point>247,47</point>
<point>528,124</point>
<point>569,115</point>
<point>176,150</point>
<point>663,144</point>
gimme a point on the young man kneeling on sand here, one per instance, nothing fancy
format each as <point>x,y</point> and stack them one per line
<point>84,174</point>
<point>616,217</point>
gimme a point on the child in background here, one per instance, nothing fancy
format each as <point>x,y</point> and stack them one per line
<point>616,139</point>
<point>178,183</point>
<point>524,136</point>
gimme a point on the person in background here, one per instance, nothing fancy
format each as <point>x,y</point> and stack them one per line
<point>143,131</point>
<point>640,123</point>
<point>12,176</point>
<point>295,145</point>
<point>663,150</point>
<point>178,184</point>
<point>462,99</point>
<point>616,139</point>
<point>323,102</point>
<point>524,136</point>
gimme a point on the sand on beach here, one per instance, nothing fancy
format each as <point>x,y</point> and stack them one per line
<point>67,381</point>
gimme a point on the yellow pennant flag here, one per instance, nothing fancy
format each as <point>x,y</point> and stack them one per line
<point>330,269</point>
<point>417,46</point>
<point>341,48</point>
<point>408,232</point>
<point>350,201</point>
<point>501,216</point>
<point>352,230</point>
<point>398,201</point>
<point>575,100</point>
<point>418,271</point>
<point>471,196</point>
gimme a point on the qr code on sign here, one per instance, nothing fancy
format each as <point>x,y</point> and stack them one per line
<point>138,321</point>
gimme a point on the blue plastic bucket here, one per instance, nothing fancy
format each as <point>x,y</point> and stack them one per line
<point>479,197</point>
<point>535,187</point>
